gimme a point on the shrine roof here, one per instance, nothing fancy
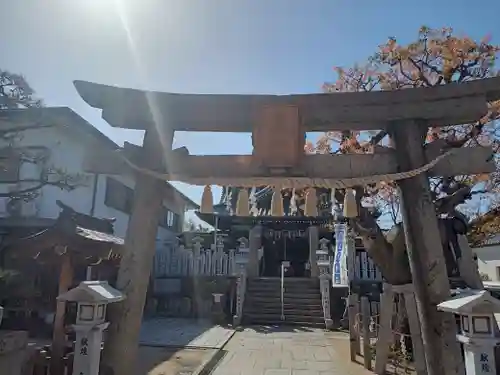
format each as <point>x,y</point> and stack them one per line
<point>95,235</point>
<point>465,301</point>
<point>93,292</point>
<point>485,229</point>
<point>86,236</point>
<point>132,108</point>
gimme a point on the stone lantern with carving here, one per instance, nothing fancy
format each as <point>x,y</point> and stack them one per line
<point>478,328</point>
<point>92,298</point>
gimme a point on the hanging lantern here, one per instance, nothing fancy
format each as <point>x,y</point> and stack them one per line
<point>207,201</point>
<point>350,206</point>
<point>311,208</point>
<point>242,205</point>
<point>277,203</point>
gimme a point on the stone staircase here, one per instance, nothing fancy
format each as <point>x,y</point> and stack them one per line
<point>302,302</point>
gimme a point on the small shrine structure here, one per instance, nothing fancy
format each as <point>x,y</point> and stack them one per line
<point>75,239</point>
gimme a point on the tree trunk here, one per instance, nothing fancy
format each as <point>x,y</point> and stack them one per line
<point>387,251</point>
<point>122,342</point>
<point>423,244</point>
<point>59,334</point>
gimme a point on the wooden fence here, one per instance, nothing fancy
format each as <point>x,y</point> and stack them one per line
<point>365,268</point>
<point>181,261</point>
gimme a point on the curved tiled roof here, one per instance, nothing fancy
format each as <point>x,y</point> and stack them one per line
<point>485,230</point>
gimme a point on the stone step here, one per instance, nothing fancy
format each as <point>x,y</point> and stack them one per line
<point>261,302</point>
<point>307,303</point>
<point>294,284</point>
<point>294,311</point>
<point>276,318</point>
<point>302,302</point>
<point>286,293</point>
<point>299,280</point>
<point>287,286</point>
<point>284,323</point>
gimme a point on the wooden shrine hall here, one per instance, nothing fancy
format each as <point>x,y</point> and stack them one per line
<point>285,238</point>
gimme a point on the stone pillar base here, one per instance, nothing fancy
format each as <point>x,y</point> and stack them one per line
<point>236,320</point>
<point>329,324</point>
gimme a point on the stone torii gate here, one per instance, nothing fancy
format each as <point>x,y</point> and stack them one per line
<point>279,124</point>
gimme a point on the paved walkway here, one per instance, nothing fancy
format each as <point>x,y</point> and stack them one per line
<point>186,333</point>
<point>286,351</point>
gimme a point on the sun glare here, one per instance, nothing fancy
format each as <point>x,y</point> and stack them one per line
<point>121,9</point>
<point>97,6</point>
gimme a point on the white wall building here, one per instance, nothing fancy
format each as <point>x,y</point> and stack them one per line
<point>488,258</point>
<point>65,145</point>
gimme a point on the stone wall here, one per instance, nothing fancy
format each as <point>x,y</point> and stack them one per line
<point>190,297</point>
<point>13,351</point>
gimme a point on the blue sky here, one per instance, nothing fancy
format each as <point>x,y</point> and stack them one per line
<point>210,46</point>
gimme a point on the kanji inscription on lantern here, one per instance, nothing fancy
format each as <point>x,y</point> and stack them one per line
<point>84,346</point>
<point>485,363</point>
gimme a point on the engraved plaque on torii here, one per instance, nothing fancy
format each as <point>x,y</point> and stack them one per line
<point>278,138</point>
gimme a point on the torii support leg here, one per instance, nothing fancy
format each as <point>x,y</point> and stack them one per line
<point>121,346</point>
<point>254,243</point>
<point>313,234</point>
<point>423,244</point>
<point>59,335</point>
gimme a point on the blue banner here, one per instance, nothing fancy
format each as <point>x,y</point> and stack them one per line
<point>339,253</point>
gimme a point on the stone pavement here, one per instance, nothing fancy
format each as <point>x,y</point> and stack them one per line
<point>185,333</point>
<point>172,361</point>
<point>262,350</point>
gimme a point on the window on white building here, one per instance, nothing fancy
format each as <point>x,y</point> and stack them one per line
<point>169,220</point>
<point>118,196</point>
<point>9,169</point>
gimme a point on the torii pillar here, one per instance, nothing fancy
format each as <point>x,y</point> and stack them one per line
<point>428,268</point>
<point>120,351</point>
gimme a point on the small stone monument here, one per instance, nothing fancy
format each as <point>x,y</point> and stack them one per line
<point>323,261</point>
<point>92,298</point>
<point>241,262</point>
<point>478,333</point>
<point>242,254</point>
<point>13,350</point>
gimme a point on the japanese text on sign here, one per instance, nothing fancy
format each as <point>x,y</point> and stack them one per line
<point>84,343</point>
<point>485,365</point>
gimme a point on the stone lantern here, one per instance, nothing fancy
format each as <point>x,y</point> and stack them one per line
<point>478,328</point>
<point>323,258</point>
<point>92,298</point>
<point>323,261</point>
<point>242,255</point>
